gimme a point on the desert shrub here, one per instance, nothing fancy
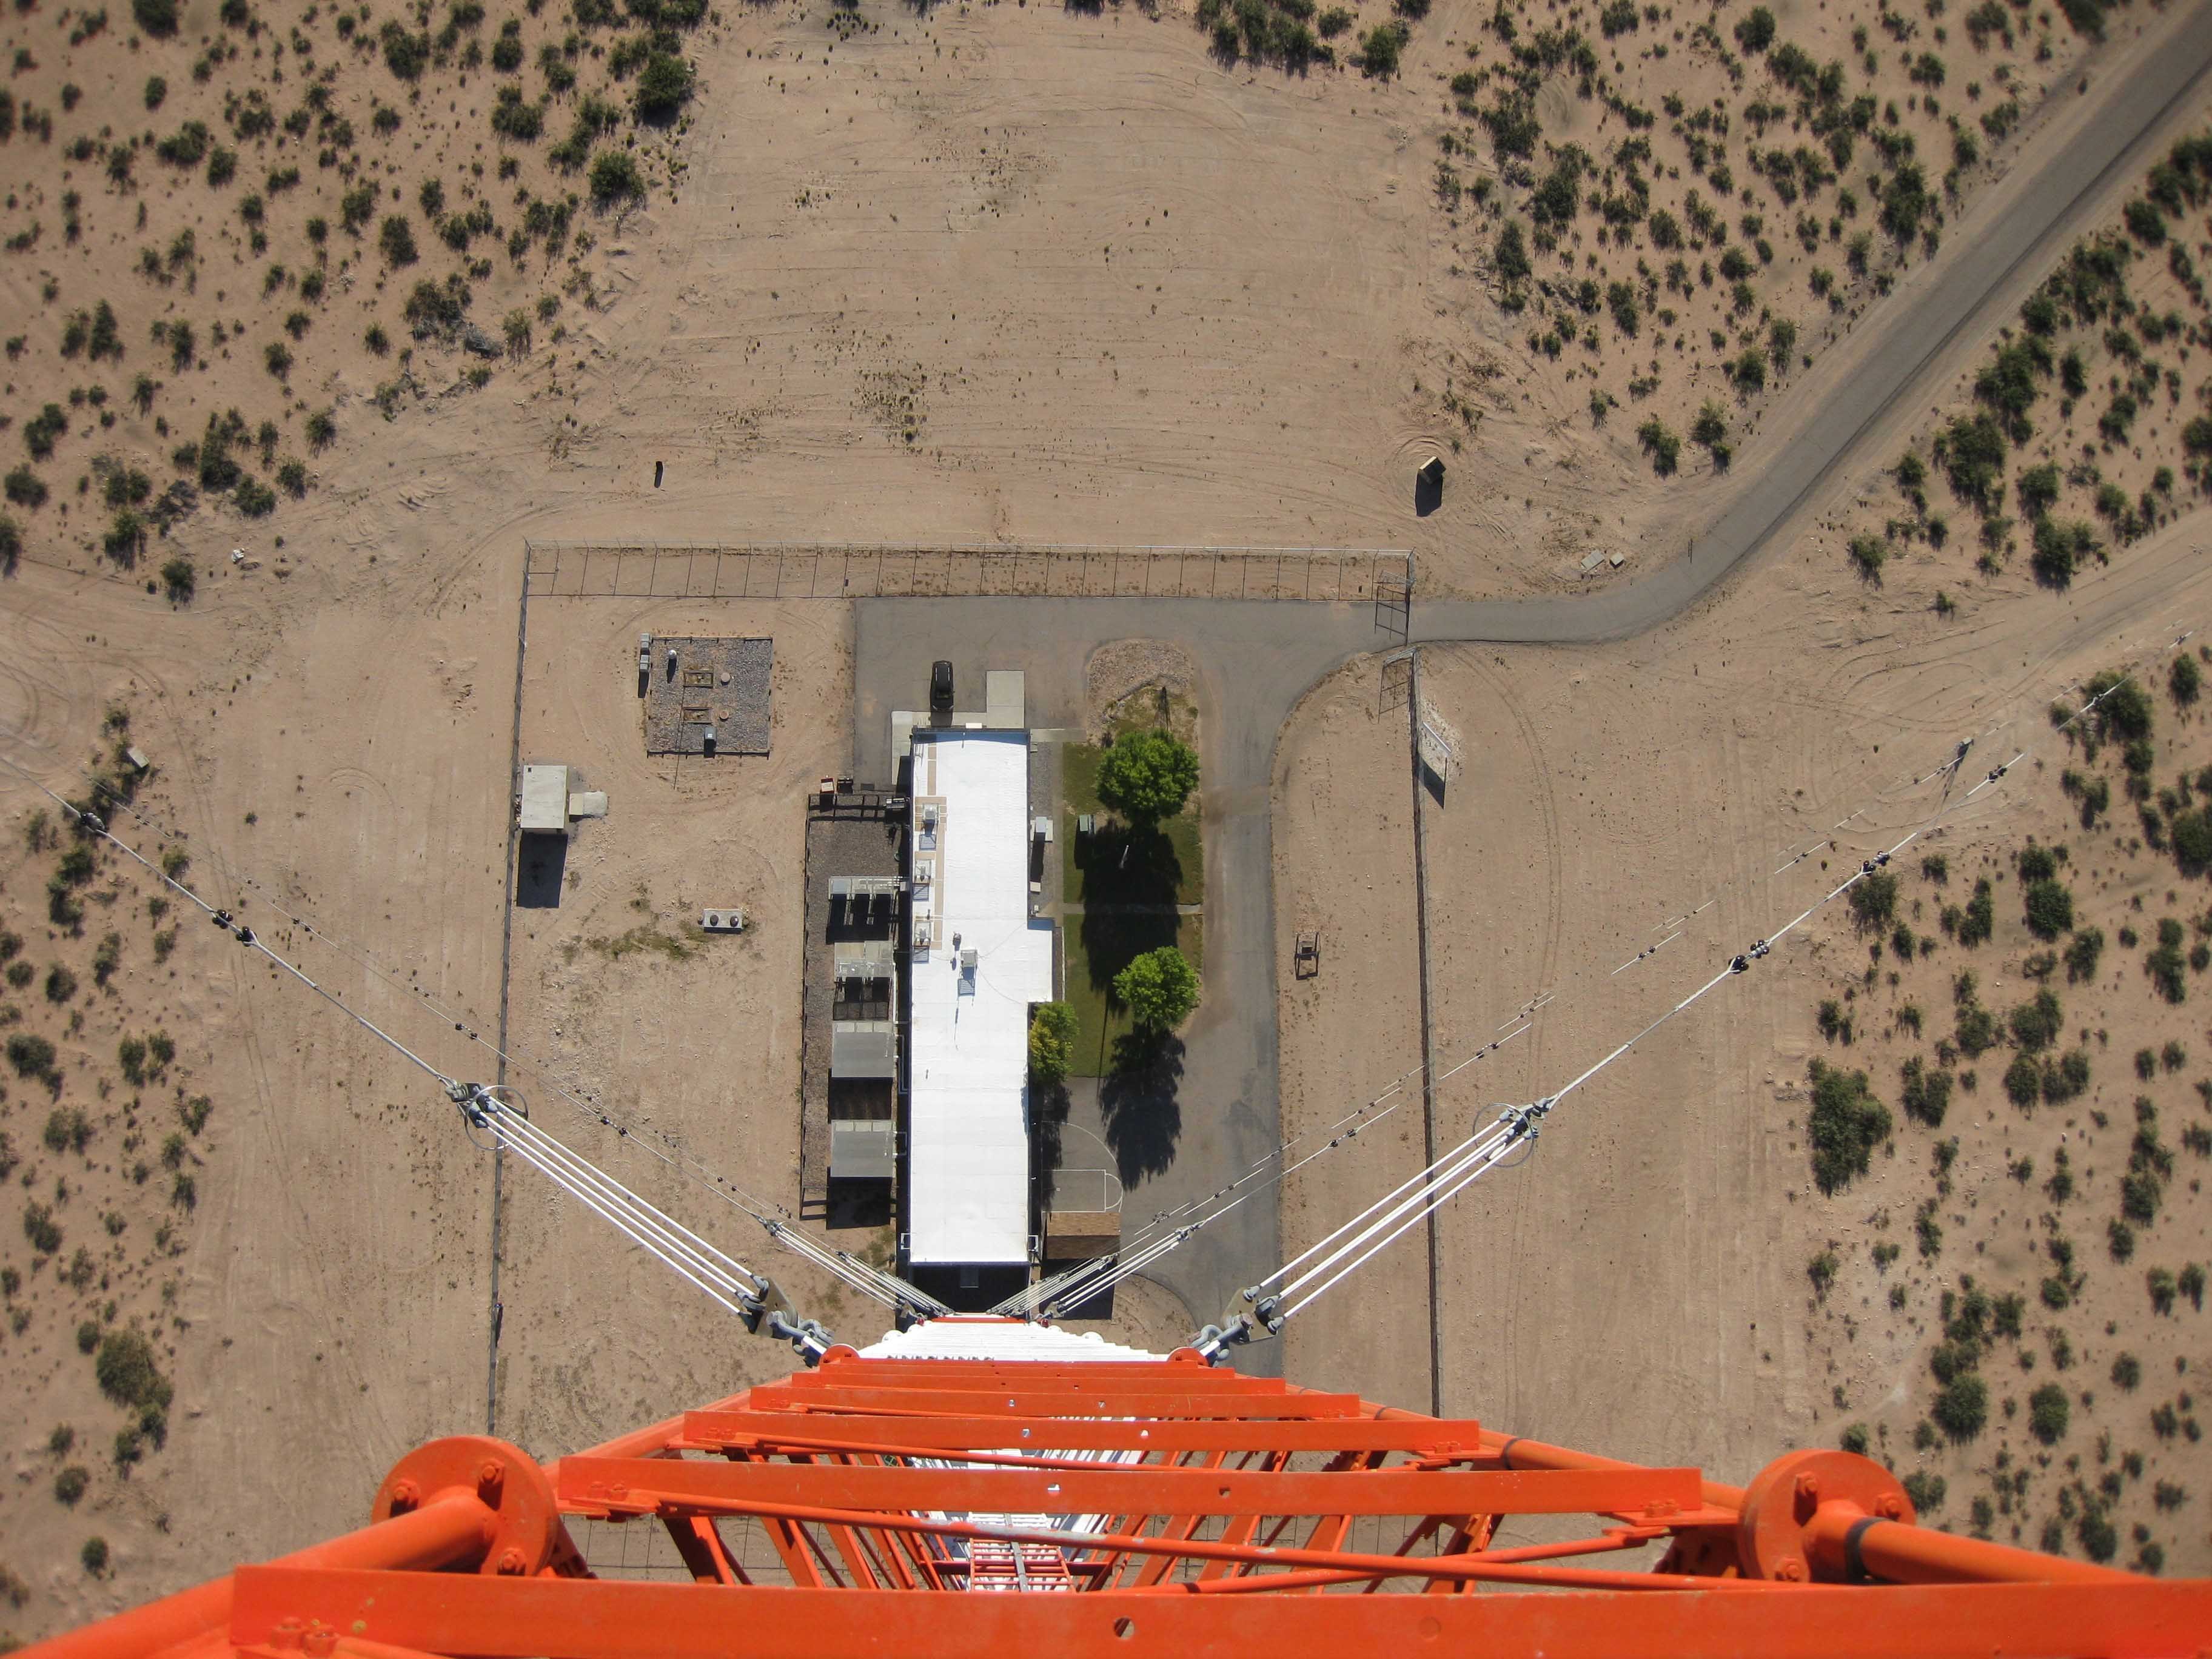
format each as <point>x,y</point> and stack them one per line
<point>1926,1490</point>
<point>1511,255</point>
<point>1962,1408</point>
<point>69,1483</point>
<point>31,1055</point>
<point>1659,442</point>
<point>156,16</point>
<point>616,178</point>
<point>40,1228</point>
<point>512,117</point>
<point>1380,49</point>
<point>396,241</point>
<point>2049,908</point>
<point>179,579</point>
<point>1821,1270</point>
<point>1925,1095</point>
<point>663,87</point>
<point>406,55</point>
<point>2049,1413</point>
<point>1844,1125</point>
<point>67,1129</point>
<point>1754,32</point>
<point>1874,900</point>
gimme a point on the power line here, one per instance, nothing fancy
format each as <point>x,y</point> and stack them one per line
<point>1068,1290</point>
<point>1359,1240</point>
<point>631,1215</point>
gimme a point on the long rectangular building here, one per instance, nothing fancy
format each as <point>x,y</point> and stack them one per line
<point>979,960</point>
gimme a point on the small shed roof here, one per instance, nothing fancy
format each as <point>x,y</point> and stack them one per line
<point>860,1149</point>
<point>545,798</point>
<point>861,1048</point>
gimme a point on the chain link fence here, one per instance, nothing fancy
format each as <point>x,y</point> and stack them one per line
<point>643,569</point>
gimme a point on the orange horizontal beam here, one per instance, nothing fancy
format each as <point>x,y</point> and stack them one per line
<point>1921,1555</point>
<point>595,1484</point>
<point>716,1429</point>
<point>453,1527</point>
<point>485,1618</point>
<point>1012,1401</point>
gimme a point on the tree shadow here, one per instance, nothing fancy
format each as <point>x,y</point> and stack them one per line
<point>1049,1108</point>
<point>1130,877</point>
<point>1137,1102</point>
<point>1128,864</point>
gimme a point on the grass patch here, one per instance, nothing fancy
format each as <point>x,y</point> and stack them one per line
<point>1166,866</point>
<point>1097,948</point>
<point>647,936</point>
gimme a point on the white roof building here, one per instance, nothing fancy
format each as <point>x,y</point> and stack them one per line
<point>978,962</point>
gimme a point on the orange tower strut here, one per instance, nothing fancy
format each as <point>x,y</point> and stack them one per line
<point>1154,1503</point>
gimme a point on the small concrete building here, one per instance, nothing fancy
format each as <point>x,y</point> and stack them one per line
<point>545,800</point>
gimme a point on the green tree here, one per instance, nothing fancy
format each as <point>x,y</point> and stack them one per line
<point>1846,1125</point>
<point>1052,1035</point>
<point>663,85</point>
<point>1159,989</point>
<point>1147,775</point>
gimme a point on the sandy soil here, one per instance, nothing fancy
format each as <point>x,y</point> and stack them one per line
<point>1023,274</point>
<point>1639,1286</point>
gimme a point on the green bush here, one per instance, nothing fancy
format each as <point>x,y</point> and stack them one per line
<point>1159,988</point>
<point>179,579</point>
<point>1147,775</point>
<point>1844,1125</point>
<point>1660,444</point>
<point>396,241</point>
<point>128,1371</point>
<point>663,87</point>
<point>69,1483</point>
<point>1874,900</point>
<point>2049,1413</point>
<point>1380,49</point>
<point>405,54</point>
<point>1924,1095</point>
<point>1052,1034</point>
<point>616,178</point>
<point>1962,1407</point>
<point>155,16</point>
<point>31,1057</point>
<point>1754,32</point>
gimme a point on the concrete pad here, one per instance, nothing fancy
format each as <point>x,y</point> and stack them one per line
<point>1004,705</point>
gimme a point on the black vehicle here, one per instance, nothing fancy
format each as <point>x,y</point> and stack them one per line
<point>940,687</point>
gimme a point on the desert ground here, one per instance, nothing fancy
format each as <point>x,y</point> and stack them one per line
<point>1025,275</point>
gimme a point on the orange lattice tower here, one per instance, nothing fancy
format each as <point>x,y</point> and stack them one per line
<point>1104,1499</point>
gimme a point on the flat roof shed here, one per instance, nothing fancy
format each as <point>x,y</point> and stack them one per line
<point>979,960</point>
<point>545,800</point>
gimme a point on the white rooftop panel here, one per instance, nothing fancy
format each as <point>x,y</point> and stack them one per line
<point>997,1338</point>
<point>967,1163</point>
<point>545,798</point>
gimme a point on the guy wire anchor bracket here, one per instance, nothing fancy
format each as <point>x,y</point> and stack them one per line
<point>1521,1122</point>
<point>1742,964</point>
<point>1237,1329</point>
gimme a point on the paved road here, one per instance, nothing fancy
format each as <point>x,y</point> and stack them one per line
<point>1257,658</point>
